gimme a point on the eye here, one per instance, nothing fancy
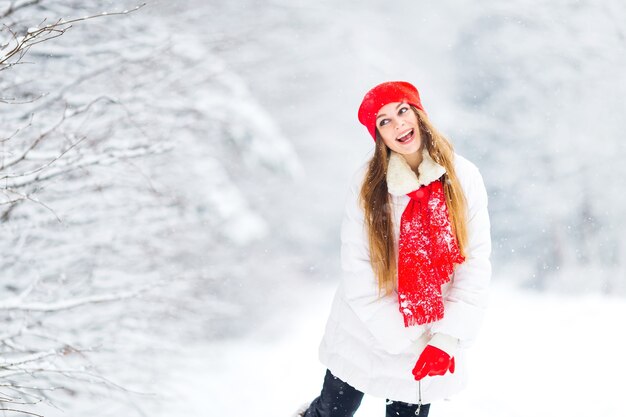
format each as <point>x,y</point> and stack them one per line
<point>403,110</point>
<point>383,122</point>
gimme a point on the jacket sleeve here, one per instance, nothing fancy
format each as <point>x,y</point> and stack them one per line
<point>467,297</point>
<point>381,315</point>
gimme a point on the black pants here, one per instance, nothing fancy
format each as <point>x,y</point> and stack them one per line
<point>338,399</point>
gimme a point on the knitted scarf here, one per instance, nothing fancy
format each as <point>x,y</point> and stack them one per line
<point>427,249</point>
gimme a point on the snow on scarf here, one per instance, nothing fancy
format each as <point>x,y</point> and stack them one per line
<point>427,249</point>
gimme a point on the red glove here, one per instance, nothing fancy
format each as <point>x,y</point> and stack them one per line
<point>433,361</point>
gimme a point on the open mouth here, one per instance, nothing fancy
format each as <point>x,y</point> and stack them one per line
<point>407,137</point>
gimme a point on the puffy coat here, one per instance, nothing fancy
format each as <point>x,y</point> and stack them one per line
<point>365,342</point>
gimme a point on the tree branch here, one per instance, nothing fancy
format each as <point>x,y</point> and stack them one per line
<point>35,35</point>
<point>13,8</point>
<point>18,304</point>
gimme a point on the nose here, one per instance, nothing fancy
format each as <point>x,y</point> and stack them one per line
<point>399,123</point>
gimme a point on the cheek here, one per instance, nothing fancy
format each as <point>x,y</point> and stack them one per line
<point>387,137</point>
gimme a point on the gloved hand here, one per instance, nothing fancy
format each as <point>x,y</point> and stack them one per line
<point>433,361</point>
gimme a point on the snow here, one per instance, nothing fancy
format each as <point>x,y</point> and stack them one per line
<point>537,354</point>
<point>534,102</point>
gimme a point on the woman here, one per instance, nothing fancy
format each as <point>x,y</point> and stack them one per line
<point>415,267</point>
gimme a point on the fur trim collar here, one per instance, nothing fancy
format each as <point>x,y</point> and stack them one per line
<point>401,179</point>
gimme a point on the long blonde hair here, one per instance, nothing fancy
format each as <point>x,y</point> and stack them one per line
<point>375,201</point>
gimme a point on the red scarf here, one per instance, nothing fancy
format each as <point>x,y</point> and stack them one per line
<point>426,254</point>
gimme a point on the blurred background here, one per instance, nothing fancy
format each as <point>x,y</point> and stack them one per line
<point>173,178</point>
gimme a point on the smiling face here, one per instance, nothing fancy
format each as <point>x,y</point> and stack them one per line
<point>398,126</point>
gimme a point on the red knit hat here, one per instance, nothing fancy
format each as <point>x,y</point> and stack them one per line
<point>382,94</point>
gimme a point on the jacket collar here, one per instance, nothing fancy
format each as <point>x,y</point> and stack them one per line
<point>401,179</point>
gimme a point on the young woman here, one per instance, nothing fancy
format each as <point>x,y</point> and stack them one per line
<point>415,267</point>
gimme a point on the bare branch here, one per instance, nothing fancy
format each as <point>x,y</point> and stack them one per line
<point>18,304</point>
<point>14,385</point>
<point>73,374</point>
<point>36,35</point>
<point>44,166</point>
<point>36,142</point>
<point>13,100</point>
<point>13,7</point>
<point>21,411</point>
<point>111,157</point>
<point>23,197</point>
<point>30,358</point>
<point>17,131</point>
<point>66,115</point>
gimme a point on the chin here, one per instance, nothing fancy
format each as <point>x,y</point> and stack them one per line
<point>407,150</point>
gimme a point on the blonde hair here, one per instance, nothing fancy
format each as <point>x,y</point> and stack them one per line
<point>375,201</point>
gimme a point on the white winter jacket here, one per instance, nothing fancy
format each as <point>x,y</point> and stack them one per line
<point>365,342</point>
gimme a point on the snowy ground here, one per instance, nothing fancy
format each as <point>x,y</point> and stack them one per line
<point>538,355</point>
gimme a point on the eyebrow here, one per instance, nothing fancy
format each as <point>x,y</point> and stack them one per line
<point>381,115</point>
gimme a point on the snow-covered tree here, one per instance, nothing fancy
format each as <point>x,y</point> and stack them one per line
<point>540,82</point>
<point>117,208</point>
